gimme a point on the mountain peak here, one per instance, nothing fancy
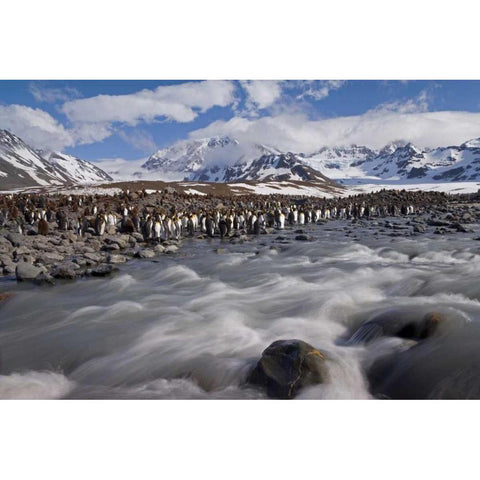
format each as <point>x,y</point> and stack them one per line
<point>22,166</point>
<point>473,143</point>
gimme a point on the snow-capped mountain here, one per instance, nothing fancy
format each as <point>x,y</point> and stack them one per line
<point>22,166</point>
<point>400,161</point>
<point>189,159</point>
<point>223,159</point>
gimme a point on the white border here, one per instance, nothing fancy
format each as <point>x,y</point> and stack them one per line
<point>236,40</point>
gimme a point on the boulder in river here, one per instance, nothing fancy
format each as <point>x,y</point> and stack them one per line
<point>305,237</point>
<point>398,323</point>
<point>287,366</point>
<point>444,367</point>
<point>27,271</point>
<point>102,270</point>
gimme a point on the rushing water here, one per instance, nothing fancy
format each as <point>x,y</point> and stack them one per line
<point>191,325</point>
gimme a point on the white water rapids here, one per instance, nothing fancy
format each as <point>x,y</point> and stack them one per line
<point>191,325</point>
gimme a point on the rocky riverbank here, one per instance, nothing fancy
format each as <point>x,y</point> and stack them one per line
<point>44,259</point>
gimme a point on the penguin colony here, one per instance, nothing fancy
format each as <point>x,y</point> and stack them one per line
<point>137,222</point>
<point>171,215</point>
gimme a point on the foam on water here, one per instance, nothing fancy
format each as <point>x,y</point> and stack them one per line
<point>192,325</point>
<point>34,385</point>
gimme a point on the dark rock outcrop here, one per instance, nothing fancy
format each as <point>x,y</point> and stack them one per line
<point>287,366</point>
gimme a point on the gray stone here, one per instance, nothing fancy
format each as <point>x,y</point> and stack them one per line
<point>304,238</point>
<point>49,258</point>
<point>121,242</point>
<point>137,236</point>
<point>111,247</point>
<point>102,270</point>
<point>26,271</point>
<point>116,258</point>
<point>146,253</point>
<point>44,278</point>
<point>63,272</point>
<point>93,257</point>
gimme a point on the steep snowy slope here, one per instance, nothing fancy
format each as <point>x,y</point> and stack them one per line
<point>22,166</point>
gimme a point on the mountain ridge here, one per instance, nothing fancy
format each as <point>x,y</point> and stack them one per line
<point>22,166</point>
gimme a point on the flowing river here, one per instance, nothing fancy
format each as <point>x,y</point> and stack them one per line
<point>192,324</point>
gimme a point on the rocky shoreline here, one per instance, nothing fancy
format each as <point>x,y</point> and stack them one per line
<point>63,255</point>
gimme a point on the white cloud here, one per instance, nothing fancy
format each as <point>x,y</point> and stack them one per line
<point>85,133</point>
<point>139,139</point>
<point>44,94</point>
<point>35,126</point>
<point>374,128</point>
<point>319,89</point>
<point>261,93</point>
<point>412,105</point>
<point>180,103</point>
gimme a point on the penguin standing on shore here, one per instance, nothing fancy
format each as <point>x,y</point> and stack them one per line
<point>100,224</point>
<point>222,227</point>
<point>190,226</point>
<point>43,227</point>
<point>256,226</point>
<point>209,226</point>
<point>62,221</point>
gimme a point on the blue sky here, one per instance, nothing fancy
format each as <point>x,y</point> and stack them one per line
<point>104,119</point>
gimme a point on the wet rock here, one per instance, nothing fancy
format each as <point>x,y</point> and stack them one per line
<point>304,238</point>
<point>398,323</point>
<point>63,272</point>
<point>438,223</point>
<point>43,279</point>
<point>287,366</point>
<point>25,271</point>
<point>116,259</point>
<point>299,231</point>
<point>9,269</point>
<point>419,228</point>
<point>446,367</point>
<point>102,270</point>
<point>111,247</point>
<point>5,260</point>
<point>458,227</point>
<point>145,253</point>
